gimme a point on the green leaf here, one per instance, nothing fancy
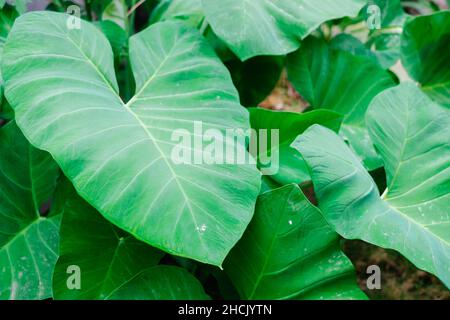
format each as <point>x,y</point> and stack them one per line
<point>117,12</point>
<point>412,135</point>
<point>392,13</point>
<point>116,36</point>
<point>386,41</point>
<point>119,156</point>
<point>292,168</point>
<point>321,75</point>
<point>347,42</point>
<point>20,5</point>
<point>28,241</point>
<point>107,256</point>
<point>426,54</point>
<point>290,252</point>
<point>161,283</point>
<point>189,11</point>
<point>265,27</point>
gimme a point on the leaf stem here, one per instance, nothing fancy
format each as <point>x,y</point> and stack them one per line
<point>135,6</point>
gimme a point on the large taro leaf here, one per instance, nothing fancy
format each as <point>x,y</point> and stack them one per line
<point>337,80</point>
<point>290,252</point>
<point>267,27</point>
<point>426,54</point>
<point>161,283</point>
<point>291,168</point>
<point>119,156</point>
<point>106,256</point>
<point>28,241</point>
<point>412,135</point>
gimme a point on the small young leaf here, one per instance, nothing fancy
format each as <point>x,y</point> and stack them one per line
<point>119,156</point>
<point>292,168</point>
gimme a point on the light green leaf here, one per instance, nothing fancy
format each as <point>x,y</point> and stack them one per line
<point>119,156</point>
<point>7,17</point>
<point>161,283</point>
<point>28,241</point>
<point>255,78</point>
<point>292,168</point>
<point>266,27</point>
<point>290,252</point>
<point>412,135</point>
<point>107,256</point>
<point>321,75</point>
<point>426,54</point>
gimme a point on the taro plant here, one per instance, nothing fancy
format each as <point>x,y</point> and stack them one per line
<point>135,162</point>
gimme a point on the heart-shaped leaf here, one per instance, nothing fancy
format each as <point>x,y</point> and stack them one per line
<point>322,76</point>
<point>290,252</point>
<point>412,135</point>
<point>426,54</point>
<point>265,27</point>
<point>120,157</point>
<point>106,256</point>
<point>28,241</point>
<point>161,283</point>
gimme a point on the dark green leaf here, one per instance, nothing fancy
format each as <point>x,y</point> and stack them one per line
<point>290,252</point>
<point>337,80</point>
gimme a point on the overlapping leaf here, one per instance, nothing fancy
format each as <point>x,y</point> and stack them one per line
<point>189,11</point>
<point>266,27</point>
<point>28,241</point>
<point>161,283</point>
<point>106,256</point>
<point>426,54</point>
<point>344,83</point>
<point>290,252</point>
<point>119,156</point>
<point>412,135</point>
